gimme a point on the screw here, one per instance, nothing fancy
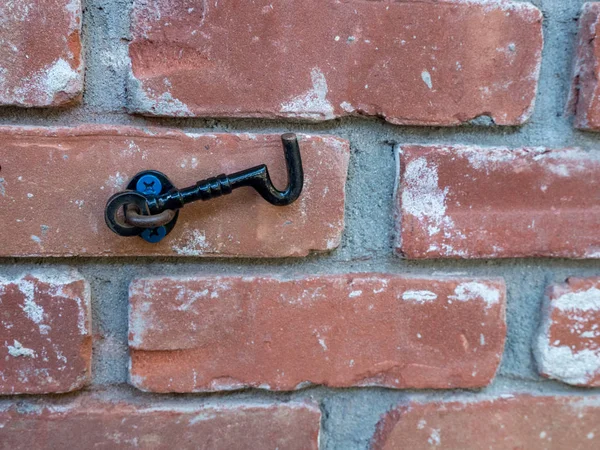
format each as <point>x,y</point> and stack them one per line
<point>154,235</point>
<point>149,185</point>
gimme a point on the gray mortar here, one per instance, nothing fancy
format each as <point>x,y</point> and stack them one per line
<point>349,415</point>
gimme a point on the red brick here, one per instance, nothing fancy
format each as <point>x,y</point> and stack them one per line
<point>568,345</point>
<point>522,422</point>
<point>224,333</point>
<point>471,202</point>
<point>40,52</point>
<point>55,184</point>
<point>584,101</point>
<point>45,339</point>
<point>87,424</point>
<point>410,62</point>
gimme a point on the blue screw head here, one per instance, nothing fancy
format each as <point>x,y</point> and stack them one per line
<point>154,235</point>
<point>149,185</point>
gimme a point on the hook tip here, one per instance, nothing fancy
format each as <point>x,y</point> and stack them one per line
<point>289,137</point>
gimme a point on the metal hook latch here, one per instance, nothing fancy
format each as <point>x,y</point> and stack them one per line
<point>150,206</point>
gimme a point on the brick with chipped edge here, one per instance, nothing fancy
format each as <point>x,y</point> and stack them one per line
<point>45,337</point>
<point>87,422</point>
<point>206,333</point>
<point>568,344</point>
<point>583,99</point>
<point>473,202</point>
<point>385,70</point>
<point>506,422</point>
<point>41,56</point>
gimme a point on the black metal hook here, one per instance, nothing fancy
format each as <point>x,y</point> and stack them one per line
<point>150,205</point>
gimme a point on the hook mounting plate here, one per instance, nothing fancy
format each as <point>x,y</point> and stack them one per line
<point>154,235</point>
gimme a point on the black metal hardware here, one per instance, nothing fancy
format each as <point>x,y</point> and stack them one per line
<point>150,206</point>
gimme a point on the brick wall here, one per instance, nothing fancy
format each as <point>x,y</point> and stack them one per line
<point>437,284</point>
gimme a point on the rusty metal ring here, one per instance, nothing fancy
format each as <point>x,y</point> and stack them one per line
<point>114,214</point>
<point>135,219</point>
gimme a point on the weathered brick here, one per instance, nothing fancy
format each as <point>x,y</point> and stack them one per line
<point>45,338</point>
<point>410,62</point>
<point>224,333</point>
<point>88,423</point>
<point>40,52</point>
<point>55,184</point>
<point>568,345</point>
<point>471,202</point>
<point>522,422</point>
<point>584,100</point>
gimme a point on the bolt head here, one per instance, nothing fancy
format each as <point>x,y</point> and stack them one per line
<point>154,235</point>
<point>149,185</point>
